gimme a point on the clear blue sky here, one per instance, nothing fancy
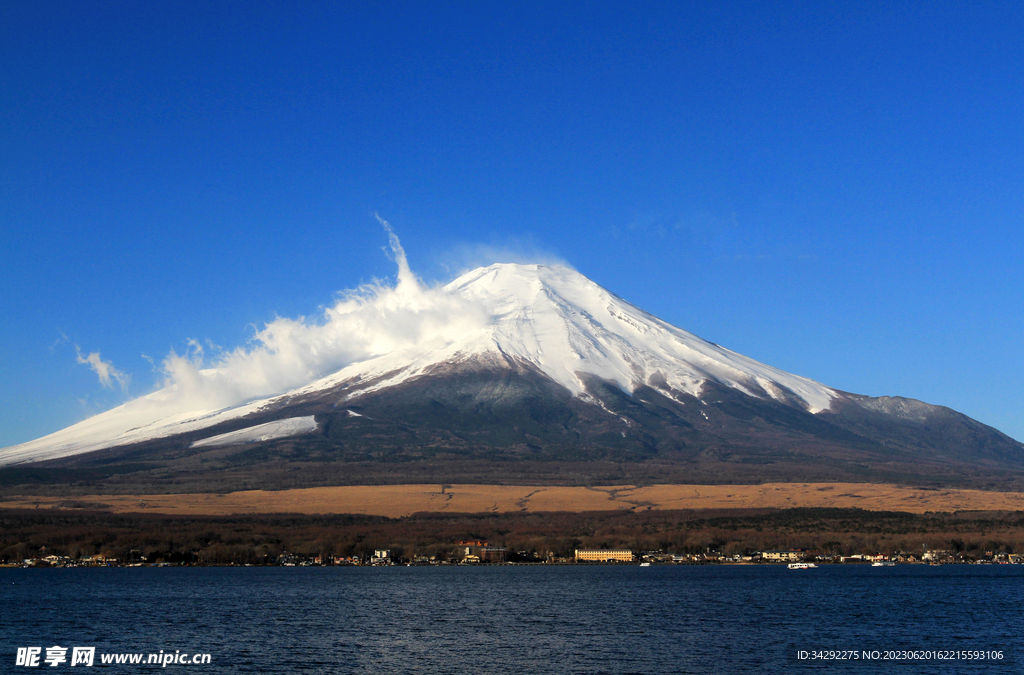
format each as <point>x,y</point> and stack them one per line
<point>836,189</point>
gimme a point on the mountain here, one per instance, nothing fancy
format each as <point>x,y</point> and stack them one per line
<point>534,371</point>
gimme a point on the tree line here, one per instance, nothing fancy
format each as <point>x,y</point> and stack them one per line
<point>258,539</point>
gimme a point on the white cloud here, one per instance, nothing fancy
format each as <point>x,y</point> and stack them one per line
<point>106,371</point>
<point>370,321</point>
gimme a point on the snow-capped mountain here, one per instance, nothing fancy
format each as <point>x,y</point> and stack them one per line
<point>564,325</point>
<point>533,356</point>
<point>549,318</point>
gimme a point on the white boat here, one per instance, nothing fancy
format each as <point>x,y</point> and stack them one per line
<point>883,563</point>
<point>801,566</point>
<point>645,564</point>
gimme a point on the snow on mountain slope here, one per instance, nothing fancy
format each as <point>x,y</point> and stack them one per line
<point>568,326</point>
<point>142,419</point>
<point>291,426</point>
<point>550,317</point>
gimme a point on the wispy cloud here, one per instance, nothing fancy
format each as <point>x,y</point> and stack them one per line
<point>105,370</point>
<point>62,340</point>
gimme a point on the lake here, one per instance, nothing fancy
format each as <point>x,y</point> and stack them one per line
<point>530,619</point>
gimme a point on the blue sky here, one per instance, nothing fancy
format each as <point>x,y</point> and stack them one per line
<point>832,188</point>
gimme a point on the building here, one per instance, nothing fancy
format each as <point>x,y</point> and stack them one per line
<point>469,547</point>
<point>493,554</point>
<point>791,555</point>
<point>604,555</point>
<point>478,550</point>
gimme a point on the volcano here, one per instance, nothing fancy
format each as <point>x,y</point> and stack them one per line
<point>532,371</point>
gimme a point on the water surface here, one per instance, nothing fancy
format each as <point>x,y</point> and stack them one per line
<point>540,619</point>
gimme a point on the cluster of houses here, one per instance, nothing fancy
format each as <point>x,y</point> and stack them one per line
<point>795,555</point>
<point>468,552</point>
<point>98,560</point>
<point>934,557</point>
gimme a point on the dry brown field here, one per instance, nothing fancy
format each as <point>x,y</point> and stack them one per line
<point>403,500</point>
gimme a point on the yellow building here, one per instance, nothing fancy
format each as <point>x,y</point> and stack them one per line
<point>603,555</point>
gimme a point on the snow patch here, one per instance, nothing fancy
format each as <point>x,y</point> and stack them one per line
<point>292,426</point>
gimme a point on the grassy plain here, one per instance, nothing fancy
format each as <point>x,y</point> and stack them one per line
<point>395,501</point>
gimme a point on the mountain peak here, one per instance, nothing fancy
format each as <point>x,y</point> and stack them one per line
<point>570,327</point>
<point>524,281</point>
